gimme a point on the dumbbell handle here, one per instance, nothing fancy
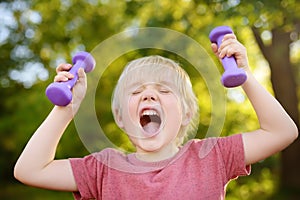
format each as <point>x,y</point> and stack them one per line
<point>227,62</point>
<point>59,93</point>
<point>70,83</point>
<point>233,75</point>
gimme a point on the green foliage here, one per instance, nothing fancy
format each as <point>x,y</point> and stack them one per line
<point>17,191</point>
<point>48,32</point>
<point>261,184</point>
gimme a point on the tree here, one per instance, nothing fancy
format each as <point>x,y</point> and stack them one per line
<point>37,35</point>
<point>275,26</point>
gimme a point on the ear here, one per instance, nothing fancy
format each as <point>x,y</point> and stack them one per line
<point>118,118</point>
<point>186,119</point>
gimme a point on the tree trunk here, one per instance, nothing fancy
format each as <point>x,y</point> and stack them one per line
<point>285,89</point>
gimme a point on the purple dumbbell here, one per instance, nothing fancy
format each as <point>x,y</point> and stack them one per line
<point>233,75</point>
<point>59,93</point>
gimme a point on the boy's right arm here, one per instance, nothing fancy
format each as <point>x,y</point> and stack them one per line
<point>36,165</point>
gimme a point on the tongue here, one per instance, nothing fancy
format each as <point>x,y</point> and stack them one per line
<point>151,128</point>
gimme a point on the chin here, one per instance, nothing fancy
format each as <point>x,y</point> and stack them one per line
<point>152,149</point>
<point>148,146</point>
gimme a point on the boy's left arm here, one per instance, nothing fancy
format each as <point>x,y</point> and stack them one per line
<point>277,130</point>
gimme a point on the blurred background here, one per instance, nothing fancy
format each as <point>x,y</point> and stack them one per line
<point>37,35</point>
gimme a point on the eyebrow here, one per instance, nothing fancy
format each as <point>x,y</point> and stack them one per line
<point>168,83</point>
<point>133,85</point>
<point>139,84</point>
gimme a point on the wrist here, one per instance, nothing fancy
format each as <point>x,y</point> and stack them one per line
<point>66,113</point>
<point>250,79</point>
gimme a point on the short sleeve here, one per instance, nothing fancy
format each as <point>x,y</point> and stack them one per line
<point>232,149</point>
<point>85,173</point>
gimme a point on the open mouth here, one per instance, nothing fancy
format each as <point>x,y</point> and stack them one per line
<point>150,122</point>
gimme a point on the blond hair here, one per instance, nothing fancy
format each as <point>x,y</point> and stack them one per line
<point>157,66</point>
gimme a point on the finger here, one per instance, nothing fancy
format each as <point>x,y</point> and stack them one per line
<point>228,47</point>
<point>227,42</point>
<point>229,36</point>
<point>63,67</point>
<point>228,51</point>
<point>63,76</point>
<point>60,78</point>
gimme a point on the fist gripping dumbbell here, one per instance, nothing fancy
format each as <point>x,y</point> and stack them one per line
<point>233,75</point>
<point>59,93</point>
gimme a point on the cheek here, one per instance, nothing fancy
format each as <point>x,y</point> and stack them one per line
<point>173,121</point>
<point>175,103</point>
<point>174,110</point>
<point>129,110</point>
<point>131,106</point>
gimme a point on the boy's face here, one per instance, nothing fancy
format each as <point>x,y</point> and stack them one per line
<point>151,111</point>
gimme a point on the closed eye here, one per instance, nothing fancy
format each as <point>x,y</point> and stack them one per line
<point>164,91</point>
<point>136,92</point>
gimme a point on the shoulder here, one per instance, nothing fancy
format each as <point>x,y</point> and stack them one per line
<point>99,158</point>
<point>108,153</point>
<point>219,141</point>
<point>216,145</point>
<point>224,151</point>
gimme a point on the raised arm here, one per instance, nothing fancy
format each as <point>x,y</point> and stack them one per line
<point>36,165</point>
<point>277,130</point>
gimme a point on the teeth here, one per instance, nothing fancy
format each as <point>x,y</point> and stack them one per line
<point>149,112</point>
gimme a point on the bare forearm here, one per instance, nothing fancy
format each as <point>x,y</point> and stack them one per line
<point>272,117</point>
<point>36,166</point>
<point>277,130</point>
<point>41,148</point>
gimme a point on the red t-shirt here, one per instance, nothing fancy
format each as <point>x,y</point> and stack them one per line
<point>200,170</point>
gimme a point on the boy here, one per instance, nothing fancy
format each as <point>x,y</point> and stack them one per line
<point>156,110</point>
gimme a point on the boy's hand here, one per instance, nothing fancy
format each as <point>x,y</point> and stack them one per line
<point>79,88</point>
<point>277,130</point>
<point>232,47</point>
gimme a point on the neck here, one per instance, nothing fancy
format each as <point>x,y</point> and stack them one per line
<point>158,155</point>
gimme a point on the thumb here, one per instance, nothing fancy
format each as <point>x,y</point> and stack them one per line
<point>81,75</point>
<point>79,89</point>
<point>81,83</point>
<point>214,47</point>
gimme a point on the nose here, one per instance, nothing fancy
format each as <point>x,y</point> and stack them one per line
<point>149,95</point>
